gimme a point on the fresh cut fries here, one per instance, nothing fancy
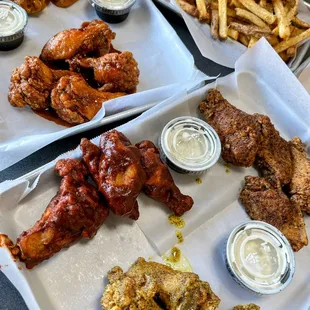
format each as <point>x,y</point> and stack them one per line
<point>247,21</point>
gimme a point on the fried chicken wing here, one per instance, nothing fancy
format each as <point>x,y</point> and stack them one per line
<point>33,6</point>
<point>63,3</point>
<point>117,171</point>
<point>299,186</point>
<point>32,83</point>
<point>239,132</point>
<point>248,138</point>
<point>74,213</point>
<point>113,72</point>
<point>93,37</point>
<point>75,101</point>
<point>151,286</point>
<point>265,203</point>
<point>273,157</point>
<point>159,183</point>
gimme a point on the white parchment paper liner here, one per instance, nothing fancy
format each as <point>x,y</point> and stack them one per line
<point>74,278</point>
<point>164,64</point>
<point>226,53</point>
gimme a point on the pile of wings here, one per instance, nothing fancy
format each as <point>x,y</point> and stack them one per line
<point>77,71</point>
<point>120,171</point>
<point>282,192</point>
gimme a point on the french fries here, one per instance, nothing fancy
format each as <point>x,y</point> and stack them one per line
<point>223,19</point>
<point>284,45</point>
<point>233,33</point>
<point>202,9</point>
<point>283,21</point>
<point>246,21</point>
<point>251,18</point>
<point>215,24</point>
<point>256,9</point>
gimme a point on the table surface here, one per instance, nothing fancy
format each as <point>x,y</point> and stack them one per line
<point>10,298</point>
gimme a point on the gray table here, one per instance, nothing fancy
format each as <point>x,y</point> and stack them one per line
<point>10,299</point>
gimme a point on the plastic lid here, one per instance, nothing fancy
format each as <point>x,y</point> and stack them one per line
<point>190,144</point>
<point>260,258</point>
<point>13,19</point>
<point>115,4</point>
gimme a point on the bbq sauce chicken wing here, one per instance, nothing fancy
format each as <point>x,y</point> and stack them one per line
<point>117,171</point>
<point>75,101</point>
<point>239,132</point>
<point>263,202</point>
<point>299,186</point>
<point>114,72</point>
<point>93,37</point>
<point>74,213</point>
<point>152,286</point>
<point>159,183</point>
<point>32,83</point>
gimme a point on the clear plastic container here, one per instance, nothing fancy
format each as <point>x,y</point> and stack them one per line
<point>260,258</point>
<point>13,20</point>
<point>189,145</point>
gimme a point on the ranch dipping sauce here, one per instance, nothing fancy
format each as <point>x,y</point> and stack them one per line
<point>13,20</point>
<point>112,11</point>
<point>189,145</point>
<point>259,258</point>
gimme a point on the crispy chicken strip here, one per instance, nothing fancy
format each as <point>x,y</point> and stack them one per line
<point>32,83</point>
<point>93,37</point>
<point>265,203</point>
<point>274,156</point>
<point>114,72</point>
<point>248,138</point>
<point>76,102</point>
<point>299,187</point>
<point>152,286</point>
<point>74,213</point>
<point>117,171</point>
<point>159,183</point>
<point>239,132</point>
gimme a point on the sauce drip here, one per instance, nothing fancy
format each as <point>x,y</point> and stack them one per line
<point>176,221</point>
<point>52,116</point>
<point>179,236</point>
<point>177,261</point>
<point>198,181</point>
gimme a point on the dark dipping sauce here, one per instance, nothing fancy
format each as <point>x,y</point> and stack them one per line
<point>52,116</point>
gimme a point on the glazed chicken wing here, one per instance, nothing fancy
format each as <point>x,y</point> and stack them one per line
<point>75,101</point>
<point>74,213</point>
<point>273,157</point>
<point>265,203</point>
<point>299,186</point>
<point>159,183</point>
<point>239,132</point>
<point>113,72</point>
<point>152,286</point>
<point>33,6</point>
<point>93,37</point>
<point>32,83</point>
<point>117,170</point>
<point>63,3</point>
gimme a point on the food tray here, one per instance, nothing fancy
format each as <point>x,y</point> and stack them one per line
<point>235,48</point>
<point>21,127</point>
<point>75,278</point>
